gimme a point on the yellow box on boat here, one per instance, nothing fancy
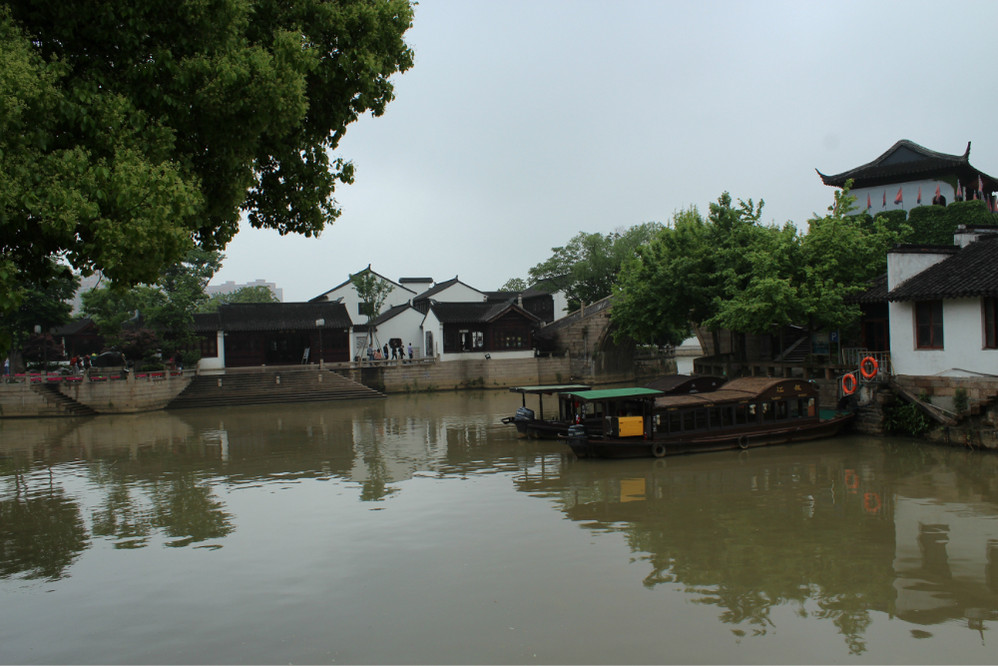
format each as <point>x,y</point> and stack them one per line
<point>630,426</point>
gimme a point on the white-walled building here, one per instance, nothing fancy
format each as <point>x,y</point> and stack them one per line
<point>908,175</point>
<point>943,306</point>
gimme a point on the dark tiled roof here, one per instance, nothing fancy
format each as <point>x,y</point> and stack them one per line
<point>474,313</point>
<point>273,317</point>
<point>969,273</point>
<point>905,161</point>
<point>437,288</point>
<point>76,327</point>
<point>876,293</point>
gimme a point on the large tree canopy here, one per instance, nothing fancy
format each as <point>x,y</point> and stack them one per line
<point>587,266</point>
<point>132,130</point>
<point>731,272</point>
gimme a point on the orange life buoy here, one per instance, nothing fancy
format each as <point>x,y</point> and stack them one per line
<point>871,502</point>
<point>849,384</point>
<point>869,361</point>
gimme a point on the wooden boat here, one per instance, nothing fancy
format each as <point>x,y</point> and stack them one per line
<point>744,413</point>
<point>534,424</point>
<point>529,424</point>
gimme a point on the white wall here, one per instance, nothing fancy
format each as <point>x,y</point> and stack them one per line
<point>902,265</point>
<point>459,293</point>
<point>348,293</point>
<point>963,341</point>
<point>404,325</point>
<point>909,192</point>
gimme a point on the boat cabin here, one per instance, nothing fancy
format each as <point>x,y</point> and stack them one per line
<point>746,403</point>
<point>624,412</point>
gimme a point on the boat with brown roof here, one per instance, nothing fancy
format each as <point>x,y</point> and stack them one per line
<point>535,425</point>
<point>742,414</point>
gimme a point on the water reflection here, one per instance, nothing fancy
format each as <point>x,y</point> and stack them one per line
<point>840,532</point>
<point>836,532</point>
<point>157,475</point>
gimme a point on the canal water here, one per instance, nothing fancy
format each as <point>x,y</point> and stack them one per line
<point>419,529</point>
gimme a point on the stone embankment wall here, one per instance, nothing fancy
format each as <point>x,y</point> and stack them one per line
<point>468,374</point>
<point>975,428</point>
<point>107,396</point>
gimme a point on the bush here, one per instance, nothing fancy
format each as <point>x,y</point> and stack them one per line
<point>905,418</point>
<point>960,401</point>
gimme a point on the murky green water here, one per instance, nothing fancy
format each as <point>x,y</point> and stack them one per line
<point>420,530</point>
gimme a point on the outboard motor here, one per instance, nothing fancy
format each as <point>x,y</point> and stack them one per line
<point>577,438</point>
<point>523,416</point>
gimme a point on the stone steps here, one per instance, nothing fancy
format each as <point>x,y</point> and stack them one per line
<point>62,402</point>
<point>270,387</point>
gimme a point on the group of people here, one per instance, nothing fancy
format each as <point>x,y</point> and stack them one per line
<point>397,352</point>
<point>80,364</point>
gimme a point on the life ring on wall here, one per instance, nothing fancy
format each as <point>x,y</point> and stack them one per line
<point>742,442</point>
<point>871,362</point>
<point>871,502</point>
<point>658,450</point>
<point>849,384</point>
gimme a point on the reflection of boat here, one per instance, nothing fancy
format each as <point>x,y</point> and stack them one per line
<point>531,424</point>
<point>744,413</point>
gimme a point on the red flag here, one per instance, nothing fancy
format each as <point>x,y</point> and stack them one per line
<point>959,191</point>
<point>898,199</point>
<point>980,183</point>
<point>868,204</point>
<point>937,190</point>
<point>919,200</point>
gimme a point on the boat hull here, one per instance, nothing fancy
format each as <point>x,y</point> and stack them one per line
<point>586,446</point>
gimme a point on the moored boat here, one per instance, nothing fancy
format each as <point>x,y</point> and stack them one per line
<point>744,413</point>
<point>533,424</point>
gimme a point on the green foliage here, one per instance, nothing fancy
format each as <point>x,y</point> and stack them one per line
<point>587,267</point>
<point>969,213</point>
<point>514,284</point>
<point>36,301</point>
<point>905,418</point>
<point>730,271</point>
<point>960,400</point>
<point>167,307</point>
<point>373,291</point>
<point>131,132</point>
<point>931,225</point>
<point>254,294</point>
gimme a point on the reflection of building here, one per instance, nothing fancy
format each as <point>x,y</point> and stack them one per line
<point>946,562</point>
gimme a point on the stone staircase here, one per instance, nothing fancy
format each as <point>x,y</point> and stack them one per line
<point>270,386</point>
<point>60,401</point>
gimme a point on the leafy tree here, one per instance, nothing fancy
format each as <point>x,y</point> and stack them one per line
<point>42,303</point>
<point>373,291</point>
<point>167,307</point>
<point>684,276</point>
<point>257,293</point>
<point>514,284</point>
<point>130,131</point>
<point>587,266</point>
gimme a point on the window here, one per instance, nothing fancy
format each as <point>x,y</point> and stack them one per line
<point>990,316</point>
<point>929,325</point>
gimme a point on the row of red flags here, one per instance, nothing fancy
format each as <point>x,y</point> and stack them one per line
<point>978,194</point>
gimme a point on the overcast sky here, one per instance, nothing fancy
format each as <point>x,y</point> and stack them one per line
<point>524,122</point>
